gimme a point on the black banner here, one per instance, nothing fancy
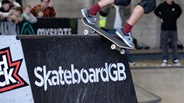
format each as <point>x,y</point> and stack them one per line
<point>77,69</point>
<point>49,26</point>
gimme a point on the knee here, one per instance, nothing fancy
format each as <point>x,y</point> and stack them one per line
<point>122,2</point>
<point>148,5</point>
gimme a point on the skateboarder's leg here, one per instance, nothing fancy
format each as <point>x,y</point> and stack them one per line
<point>143,7</point>
<point>137,13</point>
<point>90,13</point>
<point>125,33</point>
<point>96,8</point>
<point>102,3</point>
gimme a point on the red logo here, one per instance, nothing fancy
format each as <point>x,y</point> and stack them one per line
<point>9,77</point>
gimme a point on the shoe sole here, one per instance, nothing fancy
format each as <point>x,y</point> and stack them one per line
<point>124,39</point>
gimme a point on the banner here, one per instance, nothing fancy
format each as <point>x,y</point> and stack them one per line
<point>49,26</point>
<point>77,69</point>
<point>14,80</point>
<point>63,69</point>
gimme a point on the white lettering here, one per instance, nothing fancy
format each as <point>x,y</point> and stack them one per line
<point>55,78</point>
<point>61,76</point>
<point>54,31</point>
<point>3,63</point>
<point>6,73</point>
<point>8,76</point>
<point>75,75</point>
<point>84,76</point>
<point>114,72</point>
<point>92,77</point>
<point>3,83</point>
<point>67,77</point>
<point>40,82</point>
<point>121,72</point>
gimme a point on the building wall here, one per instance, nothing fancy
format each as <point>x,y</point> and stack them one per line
<point>148,26</point>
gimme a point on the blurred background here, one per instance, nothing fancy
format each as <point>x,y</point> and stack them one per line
<point>148,27</point>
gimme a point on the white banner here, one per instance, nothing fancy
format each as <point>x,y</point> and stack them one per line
<point>14,81</point>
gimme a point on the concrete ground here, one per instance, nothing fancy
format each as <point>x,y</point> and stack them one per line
<point>153,82</point>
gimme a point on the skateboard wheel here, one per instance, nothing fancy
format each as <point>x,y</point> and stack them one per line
<point>122,51</point>
<point>113,46</point>
<point>86,32</point>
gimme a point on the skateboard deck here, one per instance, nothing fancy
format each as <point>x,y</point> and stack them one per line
<point>114,39</point>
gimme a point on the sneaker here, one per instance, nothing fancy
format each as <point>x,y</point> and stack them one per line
<point>164,63</point>
<point>90,18</point>
<point>176,62</point>
<point>127,38</point>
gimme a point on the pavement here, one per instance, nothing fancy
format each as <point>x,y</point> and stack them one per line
<point>156,84</point>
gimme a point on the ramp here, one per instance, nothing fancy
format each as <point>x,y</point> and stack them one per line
<point>77,69</point>
<point>167,83</point>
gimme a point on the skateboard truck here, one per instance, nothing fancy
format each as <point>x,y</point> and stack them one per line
<point>115,47</point>
<point>86,32</point>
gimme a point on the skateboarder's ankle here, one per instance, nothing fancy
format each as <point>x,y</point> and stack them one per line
<point>127,28</point>
<point>94,9</point>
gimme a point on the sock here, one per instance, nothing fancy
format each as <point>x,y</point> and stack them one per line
<point>127,28</point>
<point>94,9</point>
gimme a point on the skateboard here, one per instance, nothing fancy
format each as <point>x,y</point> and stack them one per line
<point>118,44</point>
